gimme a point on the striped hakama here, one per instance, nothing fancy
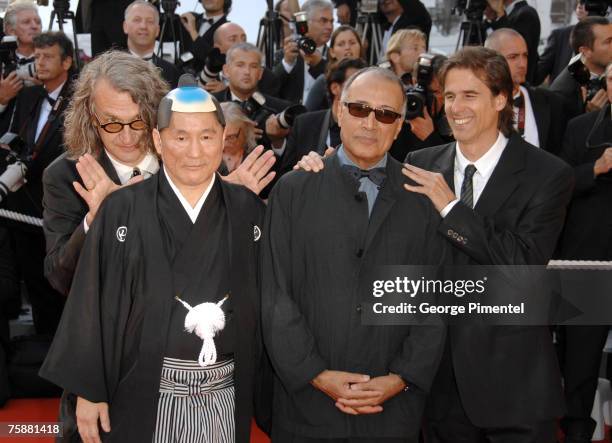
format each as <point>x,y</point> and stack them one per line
<point>195,404</point>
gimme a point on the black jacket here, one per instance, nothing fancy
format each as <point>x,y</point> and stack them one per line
<point>169,72</point>
<point>524,19</point>
<point>569,90</point>
<point>291,85</point>
<point>506,375</point>
<point>550,118</point>
<point>556,55</point>
<point>201,46</point>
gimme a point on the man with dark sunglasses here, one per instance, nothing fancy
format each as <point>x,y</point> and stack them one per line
<point>338,380</point>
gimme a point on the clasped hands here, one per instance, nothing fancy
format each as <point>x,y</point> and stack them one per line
<point>357,394</point>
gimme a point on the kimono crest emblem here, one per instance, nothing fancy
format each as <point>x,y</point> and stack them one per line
<point>256,232</point>
<point>121,233</point>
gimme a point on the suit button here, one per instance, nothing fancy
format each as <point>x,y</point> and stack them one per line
<point>455,235</point>
<point>465,241</point>
<point>449,232</point>
<point>460,238</point>
<point>358,308</point>
<point>359,253</point>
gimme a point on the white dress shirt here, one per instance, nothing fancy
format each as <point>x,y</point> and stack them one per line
<point>531,127</point>
<point>387,35</point>
<point>484,169</point>
<point>194,211</point>
<point>45,110</point>
<point>308,79</point>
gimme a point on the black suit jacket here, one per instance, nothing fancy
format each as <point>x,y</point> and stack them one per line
<point>550,118</point>
<point>506,375</point>
<point>64,211</point>
<point>169,72</point>
<point>415,16</point>
<point>524,19</point>
<point>309,133</point>
<point>201,46</point>
<point>569,90</point>
<point>291,85</point>
<point>588,230</point>
<point>28,199</point>
<point>556,55</point>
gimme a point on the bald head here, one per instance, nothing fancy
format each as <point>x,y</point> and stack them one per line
<point>227,35</point>
<point>512,46</point>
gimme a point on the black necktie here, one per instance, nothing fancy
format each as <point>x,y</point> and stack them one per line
<point>376,175</point>
<point>135,173</point>
<point>518,101</point>
<point>467,188</point>
<point>51,100</point>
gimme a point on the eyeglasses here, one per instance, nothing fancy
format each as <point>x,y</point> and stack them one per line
<point>116,127</point>
<point>361,110</point>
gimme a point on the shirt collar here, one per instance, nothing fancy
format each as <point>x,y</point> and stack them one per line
<point>147,56</point>
<point>148,165</point>
<point>56,92</point>
<point>345,160</point>
<point>214,18</point>
<point>192,212</point>
<point>511,6</point>
<point>485,164</point>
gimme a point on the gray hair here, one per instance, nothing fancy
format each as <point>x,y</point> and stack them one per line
<point>243,46</point>
<point>384,74</point>
<point>494,40</point>
<point>234,114</point>
<point>10,17</point>
<point>310,6</point>
<point>141,2</point>
<point>125,73</point>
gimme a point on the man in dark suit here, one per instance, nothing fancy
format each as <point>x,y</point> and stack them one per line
<point>201,29</point>
<point>556,55</point>
<point>587,236</point>
<point>141,25</point>
<point>297,71</point>
<point>38,121</point>
<point>520,16</point>
<point>539,115</point>
<point>592,38</point>
<point>403,14</point>
<point>502,202</point>
<point>337,379</point>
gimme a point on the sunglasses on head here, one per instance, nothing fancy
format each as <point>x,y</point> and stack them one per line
<point>116,127</point>
<point>361,110</point>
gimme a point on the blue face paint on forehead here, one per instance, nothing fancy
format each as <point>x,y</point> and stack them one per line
<point>187,98</point>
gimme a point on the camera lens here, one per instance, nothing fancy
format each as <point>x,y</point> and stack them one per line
<point>307,45</point>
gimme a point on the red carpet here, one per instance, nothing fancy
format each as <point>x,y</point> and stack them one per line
<point>45,410</point>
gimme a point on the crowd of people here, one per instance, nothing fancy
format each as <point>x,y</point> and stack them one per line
<point>209,223</point>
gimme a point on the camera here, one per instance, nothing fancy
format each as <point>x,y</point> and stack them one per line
<point>10,62</point>
<point>13,176</point>
<point>473,9</point>
<point>582,75</point>
<point>597,7</point>
<point>304,43</point>
<point>418,96</point>
<point>255,108</point>
<point>212,68</point>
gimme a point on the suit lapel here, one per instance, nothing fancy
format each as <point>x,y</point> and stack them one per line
<point>542,115</point>
<point>384,201</point>
<point>108,167</point>
<point>445,164</point>
<point>325,124</point>
<point>502,182</point>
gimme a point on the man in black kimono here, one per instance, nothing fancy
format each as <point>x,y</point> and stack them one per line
<point>182,238</point>
<point>338,380</point>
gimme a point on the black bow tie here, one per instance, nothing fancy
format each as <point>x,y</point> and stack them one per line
<point>518,101</point>
<point>25,60</point>
<point>376,175</point>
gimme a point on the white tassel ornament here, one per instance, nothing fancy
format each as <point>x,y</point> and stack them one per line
<point>205,319</point>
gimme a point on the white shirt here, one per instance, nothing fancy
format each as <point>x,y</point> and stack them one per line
<point>148,56</point>
<point>45,110</point>
<point>485,166</point>
<point>205,26</point>
<point>531,127</point>
<point>148,166</point>
<point>387,35</point>
<point>192,212</point>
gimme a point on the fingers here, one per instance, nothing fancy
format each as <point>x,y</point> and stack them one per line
<point>265,181</point>
<point>81,191</point>
<point>351,377</point>
<point>263,164</point>
<point>104,418</point>
<point>346,409</point>
<point>329,151</point>
<point>253,155</point>
<point>311,162</point>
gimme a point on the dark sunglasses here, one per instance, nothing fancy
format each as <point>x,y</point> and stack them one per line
<point>116,127</point>
<point>360,110</point>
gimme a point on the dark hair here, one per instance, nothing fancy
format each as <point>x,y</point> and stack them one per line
<point>52,38</point>
<point>227,6</point>
<point>583,35</point>
<point>336,73</point>
<point>344,28</point>
<point>437,62</point>
<point>492,69</point>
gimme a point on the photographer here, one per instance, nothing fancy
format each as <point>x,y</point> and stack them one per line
<point>201,28</point>
<point>141,25</point>
<point>403,52</point>
<point>580,83</point>
<point>38,123</point>
<point>523,18</point>
<point>22,21</point>
<point>305,56</point>
<point>587,236</point>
